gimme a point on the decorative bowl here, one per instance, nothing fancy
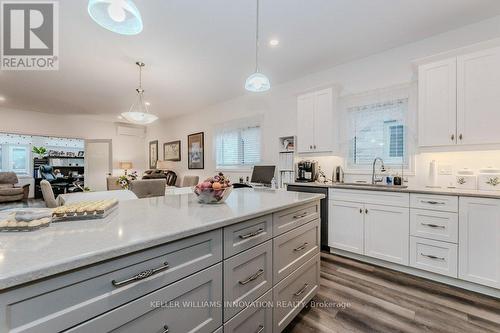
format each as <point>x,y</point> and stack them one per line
<point>211,196</point>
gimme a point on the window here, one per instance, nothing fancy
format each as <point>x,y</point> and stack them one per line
<point>378,130</point>
<point>239,147</point>
<point>15,158</point>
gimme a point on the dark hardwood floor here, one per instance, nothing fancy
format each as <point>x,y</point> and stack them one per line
<point>363,298</point>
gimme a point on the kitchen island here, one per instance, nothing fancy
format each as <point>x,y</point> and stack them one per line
<point>143,267</point>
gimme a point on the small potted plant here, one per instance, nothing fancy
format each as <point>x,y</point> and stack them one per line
<point>39,152</point>
<point>125,180</point>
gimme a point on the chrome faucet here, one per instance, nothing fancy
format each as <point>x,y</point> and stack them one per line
<point>375,179</point>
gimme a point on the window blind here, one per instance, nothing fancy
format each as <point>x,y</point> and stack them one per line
<point>378,130</point>
<point>238,147</point>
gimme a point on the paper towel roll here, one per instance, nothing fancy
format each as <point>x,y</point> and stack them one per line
<point>433,174</point>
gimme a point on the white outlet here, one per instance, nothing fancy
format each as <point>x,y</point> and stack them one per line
<point>445,169</point>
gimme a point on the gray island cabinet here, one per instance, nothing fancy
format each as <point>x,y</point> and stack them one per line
<point>170,265</point>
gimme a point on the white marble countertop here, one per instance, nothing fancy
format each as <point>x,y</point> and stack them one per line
<point>135,225</point>
<point>410,189</point>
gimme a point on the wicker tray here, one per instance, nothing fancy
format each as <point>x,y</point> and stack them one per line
<point>87,215</point>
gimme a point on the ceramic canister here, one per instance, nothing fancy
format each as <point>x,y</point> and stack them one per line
<point>489,179</point>
<point>466,179</point>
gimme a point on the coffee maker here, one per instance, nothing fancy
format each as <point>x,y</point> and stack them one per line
<point>307,171</point>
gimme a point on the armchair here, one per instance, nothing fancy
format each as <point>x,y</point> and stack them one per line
<point>9,188</point>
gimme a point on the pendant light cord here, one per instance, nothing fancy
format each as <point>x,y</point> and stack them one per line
<point>257,40</point>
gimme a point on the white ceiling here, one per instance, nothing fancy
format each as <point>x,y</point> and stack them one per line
<point>199,52</point>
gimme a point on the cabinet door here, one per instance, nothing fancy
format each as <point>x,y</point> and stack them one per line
<point>305,123</point>
<point>387,233</point>
<point>478,79</point>
<point>437,107</point>
<point>479,241</point>
<point>345,226</point>
<point>323,121</point>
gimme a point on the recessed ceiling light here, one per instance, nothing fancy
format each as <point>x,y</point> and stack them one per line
<point>274,42</point>
<point>2,99</point>
<point>147,104</point>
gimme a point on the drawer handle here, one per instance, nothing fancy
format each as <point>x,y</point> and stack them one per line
<point>165,329</point>
<point>252,234</point>
<point>432,257</point>
<point>251,278</point>
<point>432,202</point>
<point>142,275</point>
<point>300,248</point>
<point>301,291</point>
<point>260,329</point>
<point>430,225</point>
<point>299,216</point>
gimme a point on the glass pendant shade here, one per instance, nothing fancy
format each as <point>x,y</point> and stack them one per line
<point>120,16</point>
<point>138,113</point>
<point>257,82</point>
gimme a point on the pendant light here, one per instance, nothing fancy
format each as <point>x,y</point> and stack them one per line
<point>120,16</point>
<point>139,113</point>
<point>257,82</point>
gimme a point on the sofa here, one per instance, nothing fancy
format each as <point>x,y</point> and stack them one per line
<point>10,190</point>
<point>169,176</point>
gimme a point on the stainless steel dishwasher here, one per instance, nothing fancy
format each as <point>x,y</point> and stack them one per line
<point>323,208</point>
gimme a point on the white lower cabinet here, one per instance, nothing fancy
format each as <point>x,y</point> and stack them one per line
<point>346,226</point>
<point>479,241</point>
<point>387,233</point>
<point>434,256</point>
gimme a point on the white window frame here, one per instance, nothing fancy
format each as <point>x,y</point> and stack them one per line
<point>401,91</point>
<point>7,152</point>
<point>235,125</point>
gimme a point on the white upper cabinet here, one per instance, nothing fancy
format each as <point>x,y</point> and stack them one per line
<point>315,128</point>
<point>305,123</point>
<point>478,107</point>
<point>437,85</point>
<point>479,241</point>
<point>459,99</point>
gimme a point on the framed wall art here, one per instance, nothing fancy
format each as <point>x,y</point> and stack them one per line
<point>196,154</point>
<point>172,151</point>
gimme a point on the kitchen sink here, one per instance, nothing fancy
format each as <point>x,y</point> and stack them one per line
<point>372,185</point>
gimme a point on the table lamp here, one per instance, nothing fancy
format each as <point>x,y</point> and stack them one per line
<point>126,166</point>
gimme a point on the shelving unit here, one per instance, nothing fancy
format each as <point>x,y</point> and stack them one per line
<point>286,160</point>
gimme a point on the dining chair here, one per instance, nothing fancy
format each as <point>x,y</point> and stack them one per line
<point>190,181</point>
<point>48,194</point>
<point>112,184</point>
<point>146,188</point>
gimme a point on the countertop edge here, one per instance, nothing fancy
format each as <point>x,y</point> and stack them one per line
<point>75,263</point>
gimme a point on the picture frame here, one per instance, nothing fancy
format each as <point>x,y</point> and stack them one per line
<point>153,154</point>
<point>172,151</point>
<point>196,151</point>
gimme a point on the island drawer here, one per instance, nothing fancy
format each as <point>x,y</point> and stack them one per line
<point>242,236</point>
<point>247,276</point>
<point>434,256</point>
<point>257,317</point>
<point>188,305</point>
<point>294,248</point>
<point>291,218</point>
<point>442,226</point>
<point>446,203</point>
<point>292,294</point>
<point>69,299</point>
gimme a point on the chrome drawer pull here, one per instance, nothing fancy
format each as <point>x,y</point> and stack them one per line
<point>142,275</point>
<point>165,329</point>
<point>252,234</point>
<point>260,329</point>
<point>251,278</point>
<point>432,202</point>
<point>299,216</point>
<point>430,225</point>
<point>301,291</point>
<point>302,247</point>
<point>432,257</point>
